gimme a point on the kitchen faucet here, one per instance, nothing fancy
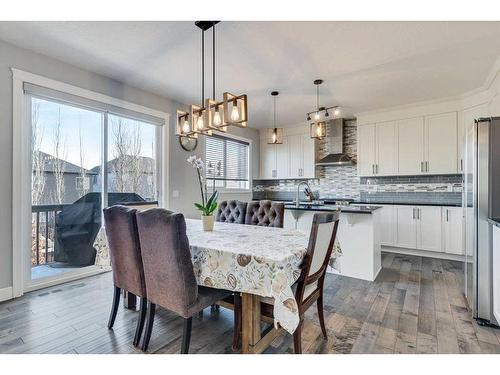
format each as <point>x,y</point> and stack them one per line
<point>297,202</point>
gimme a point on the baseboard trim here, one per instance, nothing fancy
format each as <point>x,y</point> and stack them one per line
<point>6,294</point>
<point>423,253</point>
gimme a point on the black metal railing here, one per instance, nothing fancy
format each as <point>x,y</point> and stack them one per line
<point>43,232</point>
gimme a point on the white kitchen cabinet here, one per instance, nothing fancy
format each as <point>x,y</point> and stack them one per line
<point>267,160</point>
<point>308,162</point>
<point>282,159</point>
<point>366,150</point>
<point>386,149</point>
<point>387,232</point>
<point>453,230</point>
<point>429,233</point>
<point>411,146</point>
<point>441,143</point>
<point>295,155</point>
<point>294,158</point>
<point>418,227</point>
<point>377,149</point>
<point>406,227</point>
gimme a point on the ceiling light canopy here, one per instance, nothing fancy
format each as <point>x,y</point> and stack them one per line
<point>211,115</point>
<point>320,115</point>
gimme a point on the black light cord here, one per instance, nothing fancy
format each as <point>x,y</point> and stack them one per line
<point>202,67</point>
<point>213,62</point>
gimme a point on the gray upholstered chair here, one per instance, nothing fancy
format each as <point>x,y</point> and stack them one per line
<point>126,261</point>
<point>168,270</point>
<point>231,212</point>
<point>265,213</point>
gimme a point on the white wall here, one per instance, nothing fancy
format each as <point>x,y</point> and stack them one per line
<point>181,177</point>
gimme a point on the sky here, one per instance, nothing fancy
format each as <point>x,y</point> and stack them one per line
<point>76,121</point>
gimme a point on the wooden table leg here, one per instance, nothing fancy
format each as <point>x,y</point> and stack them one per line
<point>251,334</point>
<point>129,300</point>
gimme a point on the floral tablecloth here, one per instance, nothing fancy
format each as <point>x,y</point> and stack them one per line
<point>259,260</point>
<point>245,258</point>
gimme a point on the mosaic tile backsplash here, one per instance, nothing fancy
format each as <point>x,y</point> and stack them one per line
<point>344,183</point>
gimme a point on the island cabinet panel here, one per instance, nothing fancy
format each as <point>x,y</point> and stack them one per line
<point>406,227</point>
<point>441,143</point>
<point>411,146</point>
<point>387,232</point>
<point>453,230</point>
<point>429,228</point>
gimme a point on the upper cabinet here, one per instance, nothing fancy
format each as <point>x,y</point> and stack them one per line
<point>292,159</point>
<point>377,149</point>
<point>411,146</point>
<point>441,143</point>
<point>414,146</point>
<point>465,121</point>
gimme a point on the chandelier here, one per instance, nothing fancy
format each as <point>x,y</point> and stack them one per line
<point>211,115</point>
<point>320,115</point>
<point>275,134</point>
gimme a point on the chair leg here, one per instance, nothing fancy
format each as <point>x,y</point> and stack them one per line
<point>297,339</point>
<point>186,335</point>
<point>150,317</point>
<point>114,307</point>
<point>237,322</point>
<point>321,315</point>
<point>140,321</point>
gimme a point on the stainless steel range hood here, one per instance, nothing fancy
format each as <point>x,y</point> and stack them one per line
<point>331,149</point>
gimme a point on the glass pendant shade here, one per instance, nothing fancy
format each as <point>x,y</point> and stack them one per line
<point>274,136</point>
<point>235,110</point>
<point>215,115</point>
<point>318,130</point>
<point>199,120</point>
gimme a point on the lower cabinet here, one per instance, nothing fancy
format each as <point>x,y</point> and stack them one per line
<point>430,228</point>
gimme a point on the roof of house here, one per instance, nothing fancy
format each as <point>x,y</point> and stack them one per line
<point>147,164</point>
<point>67,167</point>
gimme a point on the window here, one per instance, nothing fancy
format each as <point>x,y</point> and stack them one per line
<point>227,162</point>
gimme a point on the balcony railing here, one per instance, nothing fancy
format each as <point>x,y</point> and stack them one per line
<point>43,232</point>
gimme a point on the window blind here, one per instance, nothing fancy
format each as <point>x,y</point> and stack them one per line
<point>227,161</point>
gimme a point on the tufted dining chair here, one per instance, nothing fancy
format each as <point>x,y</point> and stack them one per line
<point>126,260</point>
<point>169,273</point>
<point>308,288</point>
<point>232,211</point>
<point>265,213</point>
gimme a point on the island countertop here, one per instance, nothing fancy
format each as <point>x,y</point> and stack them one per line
<point>358,209</point>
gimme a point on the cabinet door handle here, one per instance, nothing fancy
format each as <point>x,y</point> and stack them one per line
<point>427,166</point>
<point>421,166</point>
<point>418,212</point>
<point>447,215</point>
<point>413,213</point>
<point>373,168</point>
<point>461,165</point>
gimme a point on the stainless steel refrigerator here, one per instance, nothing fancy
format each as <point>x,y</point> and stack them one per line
<point>481,200</point>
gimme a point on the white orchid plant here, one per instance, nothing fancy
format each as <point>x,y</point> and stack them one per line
<point>207,205</point>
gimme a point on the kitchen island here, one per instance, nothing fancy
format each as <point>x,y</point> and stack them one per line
<point>358,236</point>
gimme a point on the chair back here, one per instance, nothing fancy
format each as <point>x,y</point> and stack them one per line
<point>232,211</point>
<point>321,242</point>
<point>124,249</point>
<point>265,213</point>
<point>168,269</point>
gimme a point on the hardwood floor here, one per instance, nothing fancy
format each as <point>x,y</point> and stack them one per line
<point>414,306</point>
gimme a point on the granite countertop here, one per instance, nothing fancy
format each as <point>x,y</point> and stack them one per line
<point>495,222</point>
<point>361,209</point>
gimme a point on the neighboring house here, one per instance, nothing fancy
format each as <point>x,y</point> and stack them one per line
<point>129,174</point>
<point>74,185</point>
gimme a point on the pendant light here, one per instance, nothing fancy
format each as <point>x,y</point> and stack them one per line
<point>320,115</point>
<point>275,134</point>
<point>211,115</point>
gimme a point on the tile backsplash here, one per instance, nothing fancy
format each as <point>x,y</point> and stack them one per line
<point>343,182</point>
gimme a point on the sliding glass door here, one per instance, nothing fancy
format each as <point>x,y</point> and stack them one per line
<point>84,157</point>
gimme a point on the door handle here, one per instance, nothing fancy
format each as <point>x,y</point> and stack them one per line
<point>421,166</point>
<point>461,165</point>
<point>373,168</point>
<point>418,213</point>
<point>376,168</point>
<point>427,166</point>
<point>413,213</point>
<point>447,215</point>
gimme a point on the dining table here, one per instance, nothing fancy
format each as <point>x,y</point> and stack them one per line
<point>257,262</point>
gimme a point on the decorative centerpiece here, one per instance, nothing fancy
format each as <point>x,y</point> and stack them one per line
<point>207,206</point>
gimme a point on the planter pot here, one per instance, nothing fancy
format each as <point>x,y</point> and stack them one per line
<point>208,222</point>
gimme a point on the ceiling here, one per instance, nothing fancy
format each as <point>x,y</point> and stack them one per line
<point>365,65</point>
